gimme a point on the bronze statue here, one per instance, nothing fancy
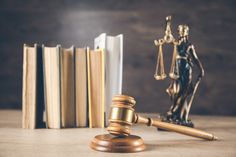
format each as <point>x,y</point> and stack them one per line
<point>182,87</point>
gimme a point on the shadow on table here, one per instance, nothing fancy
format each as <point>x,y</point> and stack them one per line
<point>185,143</point>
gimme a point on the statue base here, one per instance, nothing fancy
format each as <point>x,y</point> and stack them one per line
<point>110,143</point>
<point>189,123</point>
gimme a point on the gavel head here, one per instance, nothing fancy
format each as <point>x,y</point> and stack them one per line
<point>121,115</point>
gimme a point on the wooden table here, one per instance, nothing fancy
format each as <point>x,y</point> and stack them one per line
<point>15,141</point>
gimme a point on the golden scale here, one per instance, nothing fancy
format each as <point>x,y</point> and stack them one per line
<point>168,39</point>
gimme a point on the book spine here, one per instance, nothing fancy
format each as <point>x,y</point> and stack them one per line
<point>89,88</point>
<point>34,106</point>
<point>67,87</point>
<point>40,106</point>
<point>45,90</point>
<point>74,84</point>
<point>100,43</point>
<point>24,87</point>
<point>120,71</point>
<point>103,86</point>
<point>29,91</point>
<point>81,87</point>
<point>59,125</point>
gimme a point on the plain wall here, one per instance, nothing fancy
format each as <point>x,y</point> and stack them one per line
<point>70,22</point>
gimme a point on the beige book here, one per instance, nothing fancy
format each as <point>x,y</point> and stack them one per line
<point>96,80</point>
<point>81,104</point>
<point>113,47</point>
<point>29,87</point>
<point>52,91</point>
<point>67,87</point>
<point>32,92</point>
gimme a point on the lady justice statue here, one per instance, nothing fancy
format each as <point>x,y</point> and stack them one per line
<point>183,86</point>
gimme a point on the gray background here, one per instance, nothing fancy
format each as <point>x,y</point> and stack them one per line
<point>212,31</point>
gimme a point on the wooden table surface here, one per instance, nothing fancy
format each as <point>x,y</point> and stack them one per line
<point>15,141</point>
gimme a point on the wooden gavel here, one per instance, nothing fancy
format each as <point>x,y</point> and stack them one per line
<point>122,116</point>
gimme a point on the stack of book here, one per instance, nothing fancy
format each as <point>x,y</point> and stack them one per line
<point>64,88</point>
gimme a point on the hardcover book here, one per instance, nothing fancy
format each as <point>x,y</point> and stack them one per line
<point>113,47</point>
<point>96,86</point>
<point>52,86</point>
<point>67,79</point>
<point>81,90</point>
<point>32,91</point>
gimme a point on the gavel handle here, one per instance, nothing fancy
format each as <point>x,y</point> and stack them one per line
<point>176,128</point>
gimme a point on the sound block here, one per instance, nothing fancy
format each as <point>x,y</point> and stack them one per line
<point>110,143</point>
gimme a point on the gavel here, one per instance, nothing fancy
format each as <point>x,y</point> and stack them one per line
<point>122,116</point>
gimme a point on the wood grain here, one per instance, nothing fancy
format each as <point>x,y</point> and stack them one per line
<point>15,141</point>
<point>114,144</point>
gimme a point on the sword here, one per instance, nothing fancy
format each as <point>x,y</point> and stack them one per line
<point>192,97</point>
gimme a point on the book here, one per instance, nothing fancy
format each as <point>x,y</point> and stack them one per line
<point>113,47</point>
<point>68,86</point>
<point>96,87</point>
<point>81,102</point>
<point>67,94</point>
<point>32,91</point>
<point>52,85</point>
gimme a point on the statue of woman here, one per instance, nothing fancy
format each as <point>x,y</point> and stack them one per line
<point>182,88</point>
